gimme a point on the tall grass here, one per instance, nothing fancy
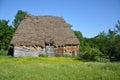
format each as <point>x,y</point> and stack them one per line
<point>56,68</point>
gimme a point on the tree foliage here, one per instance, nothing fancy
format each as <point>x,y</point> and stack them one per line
<point>18,18</point>
<point>117,28</point>
<point>105,45</point>
<point>6,33</point>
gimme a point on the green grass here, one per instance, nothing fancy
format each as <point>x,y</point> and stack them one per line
<point>56,68</point>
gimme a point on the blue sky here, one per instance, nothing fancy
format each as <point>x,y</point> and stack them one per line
<point>88,16</point>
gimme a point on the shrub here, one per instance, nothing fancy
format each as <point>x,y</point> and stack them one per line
<point>43,55</point>
<point>78,58</point>
<point>93,54</point>
<point>3,53</point>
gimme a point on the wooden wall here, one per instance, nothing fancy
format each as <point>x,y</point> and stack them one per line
<point>71,50</point>
<point>48,50</point>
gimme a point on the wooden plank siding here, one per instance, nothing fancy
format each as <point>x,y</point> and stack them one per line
<point>71,50</point>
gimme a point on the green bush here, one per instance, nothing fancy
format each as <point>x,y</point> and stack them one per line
<point>94,54</point>
<point>43,55</point>
<point>3,53</point>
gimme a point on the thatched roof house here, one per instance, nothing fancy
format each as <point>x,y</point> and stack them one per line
<point>36,33</point>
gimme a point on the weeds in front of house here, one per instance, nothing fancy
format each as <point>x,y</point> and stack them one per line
<point>56,68</point>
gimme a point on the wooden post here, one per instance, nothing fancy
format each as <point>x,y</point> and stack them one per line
<point>63,49</point>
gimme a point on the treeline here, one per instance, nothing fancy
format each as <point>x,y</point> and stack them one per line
<point>104,46</point>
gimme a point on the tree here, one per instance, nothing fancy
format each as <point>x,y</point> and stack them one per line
<point>110,42</point>
<point>18,18</point>
<point>113,43</point>
<point>79,36</point>
<point>117,27</point>
<point>81,40</point>
<point>100,42</point>
<point>6,33</point>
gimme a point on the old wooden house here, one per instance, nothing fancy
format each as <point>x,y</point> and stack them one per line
<point>49,35</point>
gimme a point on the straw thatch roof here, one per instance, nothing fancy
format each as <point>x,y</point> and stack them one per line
<point>36,30</point>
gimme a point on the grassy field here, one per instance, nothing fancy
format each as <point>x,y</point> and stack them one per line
<point>56,68</point>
